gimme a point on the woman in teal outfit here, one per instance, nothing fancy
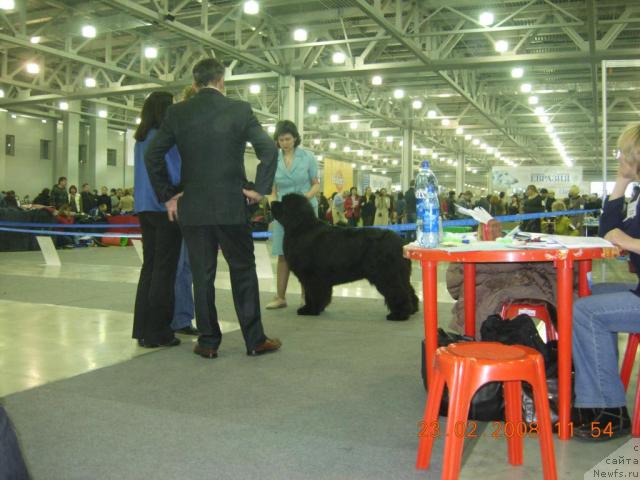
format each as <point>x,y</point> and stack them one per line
<point>297,173</point>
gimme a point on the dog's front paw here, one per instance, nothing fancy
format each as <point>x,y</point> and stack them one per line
<point>397,316</point>
<point>307,310</point>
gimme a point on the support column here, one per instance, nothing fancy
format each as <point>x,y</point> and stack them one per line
<point>129,144</point>
<point>406,163</point>
<point>460,180</point>
<point>67,165</point>
<point>97,154</point>
<point>3,158</point>
<point>287,98</point>
<point>299,106</point>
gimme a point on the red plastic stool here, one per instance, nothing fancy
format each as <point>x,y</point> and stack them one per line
<point>467,366</point>
<point>635,422</point>
<point>629,358</point>
<point>625,375</point>
<point>534,310</point>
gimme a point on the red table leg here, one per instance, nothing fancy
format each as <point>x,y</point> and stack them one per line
<point>430,305</point>
<point>565,306</point>
<point>584,267</point>
<point>470,299</point>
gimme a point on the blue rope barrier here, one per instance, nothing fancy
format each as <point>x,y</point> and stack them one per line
<point>11,226</point>
<point>71,225</point>
<point>71,234</point>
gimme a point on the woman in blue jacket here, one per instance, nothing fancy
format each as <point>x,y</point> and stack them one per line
<point>297,172</point>
<point>161,239</point>
<point>612,308</point>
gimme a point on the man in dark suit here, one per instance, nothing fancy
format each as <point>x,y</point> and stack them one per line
<point>211,132</point>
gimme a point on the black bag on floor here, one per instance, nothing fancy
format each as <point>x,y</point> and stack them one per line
<point>488,402</point>
<point>551,367</point>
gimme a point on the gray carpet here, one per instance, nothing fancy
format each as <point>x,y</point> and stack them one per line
<point>341,400</point>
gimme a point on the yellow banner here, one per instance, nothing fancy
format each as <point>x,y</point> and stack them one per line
<point>337,176</point>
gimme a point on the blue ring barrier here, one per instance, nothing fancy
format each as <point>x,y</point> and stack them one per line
<point>10,226</point>
<point>70,234</point>
<point>64,225</point>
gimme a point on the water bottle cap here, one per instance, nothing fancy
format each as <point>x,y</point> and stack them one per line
<point>424,165</point>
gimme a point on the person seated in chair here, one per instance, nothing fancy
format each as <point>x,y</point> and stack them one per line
<point>612,308</point>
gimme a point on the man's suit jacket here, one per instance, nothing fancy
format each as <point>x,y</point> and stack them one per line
<point>211,132</point>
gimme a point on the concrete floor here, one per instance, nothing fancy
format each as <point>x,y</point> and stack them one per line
<point>59,322</point>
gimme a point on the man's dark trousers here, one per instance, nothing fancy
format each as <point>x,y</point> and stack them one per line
<point>237,247</point>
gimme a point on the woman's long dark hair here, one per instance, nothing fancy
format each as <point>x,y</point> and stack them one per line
<point>153,111</point>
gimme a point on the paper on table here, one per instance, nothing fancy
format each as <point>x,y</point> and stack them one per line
<point>579,242</point>
<point>479,214</point>
<point>542,241</point>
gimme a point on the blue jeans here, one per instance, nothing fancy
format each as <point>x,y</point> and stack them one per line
<point>183,311</point>
<point>597,319</point>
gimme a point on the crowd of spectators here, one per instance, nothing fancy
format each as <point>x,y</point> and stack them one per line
<point>68,206</point>
<point>349,208</point>
<point>86,202</point>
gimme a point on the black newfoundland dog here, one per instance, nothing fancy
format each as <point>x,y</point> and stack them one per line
<point>322,256</point>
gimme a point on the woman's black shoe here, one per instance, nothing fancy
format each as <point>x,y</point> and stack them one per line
<point>174,342</point>
<point>607,424</point>
<point>188,331</point>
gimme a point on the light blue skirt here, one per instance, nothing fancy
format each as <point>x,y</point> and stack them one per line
<point>277,235</point>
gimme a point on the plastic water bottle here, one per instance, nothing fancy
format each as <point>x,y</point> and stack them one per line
<point>427,208</point>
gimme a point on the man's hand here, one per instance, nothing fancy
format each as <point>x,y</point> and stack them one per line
<point>253,197</point>
<point>172,207</point>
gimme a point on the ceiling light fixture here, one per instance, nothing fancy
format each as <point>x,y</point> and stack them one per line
<point>398,93</point>
<point>486,19</point>
<point>525,88</point>
<point>33,68</point>
<point>151,52</point>
<point>255,88</point>
<point>89,31</point>
<point>376,80</point>
<point>300,35</point>
<point>501,46</point>
<point>338,58</point>
<point>251,7</point>
<point>517,72</point>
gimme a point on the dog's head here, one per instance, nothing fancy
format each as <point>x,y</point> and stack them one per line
<point>293,211</point>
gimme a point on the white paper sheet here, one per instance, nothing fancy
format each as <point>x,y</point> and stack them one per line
<point>48,250</point>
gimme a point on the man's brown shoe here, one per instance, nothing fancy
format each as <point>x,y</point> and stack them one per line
<point>269,345</point>
<point>206,352</point>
